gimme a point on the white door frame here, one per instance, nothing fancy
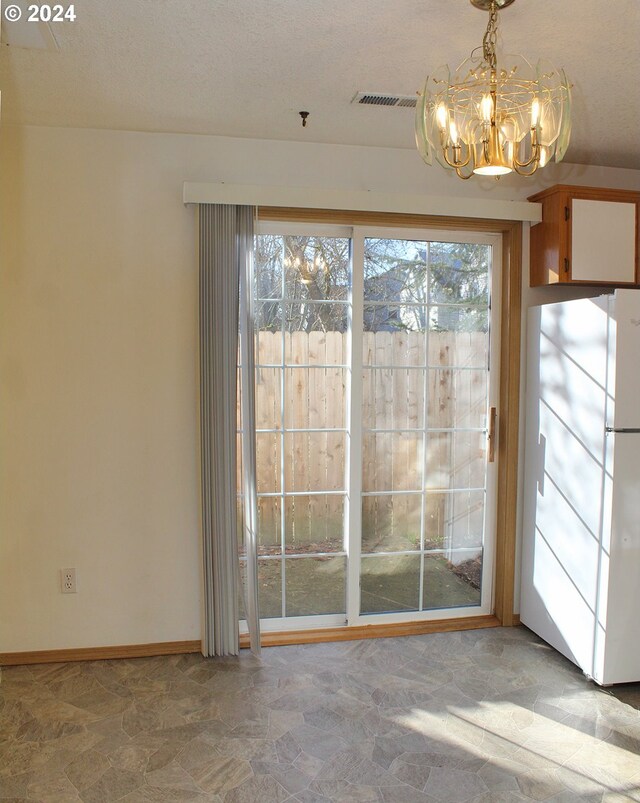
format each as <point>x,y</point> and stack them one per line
<point>353,502</point>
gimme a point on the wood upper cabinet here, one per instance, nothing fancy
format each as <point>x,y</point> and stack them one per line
<point>588,236</point>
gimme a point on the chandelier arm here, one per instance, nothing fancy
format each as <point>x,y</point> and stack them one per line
<point>461,175</point>
<point>455,163</point>
<point>535,157</point>
<point>517,166</point>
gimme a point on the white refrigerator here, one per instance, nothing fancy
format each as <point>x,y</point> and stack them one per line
<point>581,512</point>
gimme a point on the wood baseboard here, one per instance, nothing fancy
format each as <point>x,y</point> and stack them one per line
<point>283,637</point>
<point>516,619</point>
<point>99,653</point>
<point>275,639</point>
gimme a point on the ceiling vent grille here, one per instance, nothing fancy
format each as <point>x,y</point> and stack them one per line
<point>382,99</point>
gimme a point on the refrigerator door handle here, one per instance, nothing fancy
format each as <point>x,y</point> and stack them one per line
<point>622,430</point>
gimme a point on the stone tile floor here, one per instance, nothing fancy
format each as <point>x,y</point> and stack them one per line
<point>487,715</point>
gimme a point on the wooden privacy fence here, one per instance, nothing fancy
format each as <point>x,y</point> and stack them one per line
<point>312,392</point>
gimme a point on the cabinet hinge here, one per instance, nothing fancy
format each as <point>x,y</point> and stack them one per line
<point>566,265</point>
<point>567,213</point>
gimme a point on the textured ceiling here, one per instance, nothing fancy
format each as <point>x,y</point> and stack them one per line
<point>246,67</point>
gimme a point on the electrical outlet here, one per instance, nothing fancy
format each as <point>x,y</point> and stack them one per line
<point>68,581</point>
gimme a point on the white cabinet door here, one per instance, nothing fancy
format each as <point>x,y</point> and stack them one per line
<point>603,241</point>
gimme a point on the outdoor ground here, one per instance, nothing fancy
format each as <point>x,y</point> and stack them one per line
<point>388,583</point>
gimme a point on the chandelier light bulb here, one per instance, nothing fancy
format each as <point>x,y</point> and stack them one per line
<point>443,117</point>
<point>535,112</point>
<point>486,108</point>
<point>453,133</point>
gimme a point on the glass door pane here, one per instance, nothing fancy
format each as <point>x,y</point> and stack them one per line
<point>303,303</point>
<point>425,383</point>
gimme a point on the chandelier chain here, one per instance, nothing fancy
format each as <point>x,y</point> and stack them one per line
<point>491,38</point>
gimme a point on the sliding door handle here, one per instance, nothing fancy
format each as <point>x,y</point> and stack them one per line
<point>491,435</point>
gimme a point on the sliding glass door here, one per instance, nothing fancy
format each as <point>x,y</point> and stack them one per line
<point>375,374</point>
<point>425,397</point>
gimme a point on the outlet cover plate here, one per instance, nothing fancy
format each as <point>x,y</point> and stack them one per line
<point>68,579</point>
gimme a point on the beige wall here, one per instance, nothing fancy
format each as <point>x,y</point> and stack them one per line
<point>98,403</point>
<point>98,394</point>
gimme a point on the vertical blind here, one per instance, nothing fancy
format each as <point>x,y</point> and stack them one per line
<point>225,255</point>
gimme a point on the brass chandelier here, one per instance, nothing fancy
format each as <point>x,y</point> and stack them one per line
<point>492,117</point>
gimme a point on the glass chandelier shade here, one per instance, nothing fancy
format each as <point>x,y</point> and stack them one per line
<point>494,114</point>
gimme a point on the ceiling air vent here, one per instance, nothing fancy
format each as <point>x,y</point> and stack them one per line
<point>381,99</point>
